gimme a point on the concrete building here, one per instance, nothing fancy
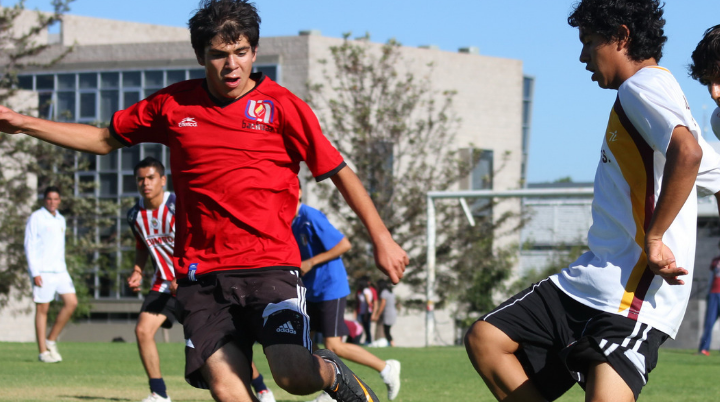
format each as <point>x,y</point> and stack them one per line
<point>114,64</point>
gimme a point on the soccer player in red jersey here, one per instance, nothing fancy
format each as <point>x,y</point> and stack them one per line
<point>236,141</point>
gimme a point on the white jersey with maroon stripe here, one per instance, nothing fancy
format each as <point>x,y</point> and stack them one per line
<point>155,230</point>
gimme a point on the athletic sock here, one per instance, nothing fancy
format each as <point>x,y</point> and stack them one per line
<point>385,371</point>
<point>157,385</point>
<point>49,342</point>
<point>258,384</point>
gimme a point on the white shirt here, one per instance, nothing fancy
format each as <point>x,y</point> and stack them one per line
<point>614,276</point>
<point>45,243</point>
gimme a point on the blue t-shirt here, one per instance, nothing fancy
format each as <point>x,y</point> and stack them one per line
<point>314,235</point>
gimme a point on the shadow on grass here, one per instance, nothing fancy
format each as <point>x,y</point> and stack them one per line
<point>93,398</point>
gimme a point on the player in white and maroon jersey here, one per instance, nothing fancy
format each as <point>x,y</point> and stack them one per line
<point>152,221</point>
<point>236,142</point>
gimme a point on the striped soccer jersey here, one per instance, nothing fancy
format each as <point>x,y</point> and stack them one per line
<point>614,276</point>
<point>155,230</point>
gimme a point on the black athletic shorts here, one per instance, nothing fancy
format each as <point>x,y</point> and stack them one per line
<point>328,317</point>
<point>161,303</point>
<point>242,307</point>
<point>560,338</point>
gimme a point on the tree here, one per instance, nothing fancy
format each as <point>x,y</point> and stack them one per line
<point>27,165</point>
<point>398,133</point>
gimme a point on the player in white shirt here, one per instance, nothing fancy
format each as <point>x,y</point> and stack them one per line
<point>601,321</point>
<point>45,252</point>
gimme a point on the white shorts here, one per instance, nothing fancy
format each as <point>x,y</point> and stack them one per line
<point>53,283</point>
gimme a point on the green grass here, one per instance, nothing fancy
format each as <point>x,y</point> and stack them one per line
<point>112,372</point>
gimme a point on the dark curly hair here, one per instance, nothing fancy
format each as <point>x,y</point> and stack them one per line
<point>644,19</point>
<point>706,57</point>
<point>231,19</point>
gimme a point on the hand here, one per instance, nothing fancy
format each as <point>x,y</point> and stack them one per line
<point>306,266</point>
<point>374,318</point>
<point>38,281</point>
<point>173,286</point>
<point>391,259</point>
<point>662,262</point>
<point>10,121</point>
<point>135,280</point>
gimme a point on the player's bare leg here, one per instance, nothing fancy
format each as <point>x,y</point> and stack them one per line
<point>297,371</point>
<point>41,311</point>
<point>354,353</point>
<point>228,374</point>
<point>491,352</point>
<point>69,304</point>
<point>604,384</point>
<point>147,325</point>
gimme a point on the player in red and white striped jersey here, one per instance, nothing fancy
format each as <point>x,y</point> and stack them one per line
<point>152,221</point>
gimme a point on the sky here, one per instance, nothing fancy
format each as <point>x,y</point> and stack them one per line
<point>570,111</point>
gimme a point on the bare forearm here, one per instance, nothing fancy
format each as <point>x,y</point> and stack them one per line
<point>341,248</point>
<point>79,137</point>
<point>357,198</point>
<point>681,168</point>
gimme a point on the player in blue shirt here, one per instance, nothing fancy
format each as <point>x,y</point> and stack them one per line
<point>325,278</point>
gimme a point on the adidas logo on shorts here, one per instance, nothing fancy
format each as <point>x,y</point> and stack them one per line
<point>287,328</point>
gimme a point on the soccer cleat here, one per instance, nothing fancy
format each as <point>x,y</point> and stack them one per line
<point>704,352</point>
<point>266,396</point>
<point>324,397</point>
<point>347,387</point>
<point>47,357</point>
<point>156,398</point>
<point>392,378</point>
<point>53,349</point>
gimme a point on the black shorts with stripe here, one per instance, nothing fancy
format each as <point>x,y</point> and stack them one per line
<point>328,317</point>
<point>161,303</point>
<point>561,338</point>
<point>243,307</point>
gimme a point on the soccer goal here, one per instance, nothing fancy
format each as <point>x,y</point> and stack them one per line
<point>560,193</point>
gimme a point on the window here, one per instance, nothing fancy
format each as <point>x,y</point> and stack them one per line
<point>480,163</point>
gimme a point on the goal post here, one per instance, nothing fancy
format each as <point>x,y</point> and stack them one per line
<point>462,196</point>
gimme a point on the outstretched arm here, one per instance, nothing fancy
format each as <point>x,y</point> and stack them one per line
<point>389,256</point>
<point>681,168</point>
<point>80,137</point>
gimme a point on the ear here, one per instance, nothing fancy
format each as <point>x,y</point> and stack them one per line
<point>163,180</point>
<point>623,35</point>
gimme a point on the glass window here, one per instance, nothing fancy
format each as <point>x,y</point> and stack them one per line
<point>65,106</point>
<point>149,91</point>
<point>130,98</point>
<point>130,157</point>
<point>25,82</point>
<point>45,81</point>
<point>128,184</point>
<point>198,73</point>
<point>88,81</point>
<point>45,105</point>
<point>109,104</point>
<point>154,79</point>
<point>66,81</point>
<point>131,79</point>
<point>87,162</point>
<point>174,76</point>
<point>270,71</point>
<point>87,105</point>
<point>108,184</point>
<point>109,80</point>
<point>154,150</point>
<point>109,162</point>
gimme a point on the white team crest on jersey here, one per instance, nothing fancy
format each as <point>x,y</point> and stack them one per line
<point>188,122</point>
<point>155,223</point>
<point>262,111</point>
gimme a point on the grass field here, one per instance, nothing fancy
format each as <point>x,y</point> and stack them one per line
<point>112,372</point>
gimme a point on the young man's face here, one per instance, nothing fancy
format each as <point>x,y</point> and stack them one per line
<point>604,59</point>
<point>52,202</point>
<point>149,182</point>
<point>228,67</point>
<point>714,89</point>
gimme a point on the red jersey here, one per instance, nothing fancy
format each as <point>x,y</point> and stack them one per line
<point>234,170</point>
<point>154,230</point>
